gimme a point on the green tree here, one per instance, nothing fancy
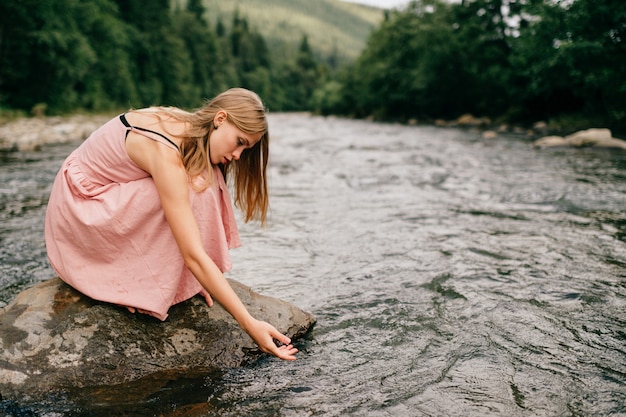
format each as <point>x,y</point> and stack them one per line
<point>303,77</point>
<point>43,53</point>
<point>163,63</point>
<point>227,72</point>
<point>411,66</point>
<point>196,8</point>
<point>573,60</point>
<point>250,56</point>
<point>482,38</point>
<point>109,83</point>
<point>202,45</point>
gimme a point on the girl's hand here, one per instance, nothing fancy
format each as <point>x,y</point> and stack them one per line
<point>264,335</point>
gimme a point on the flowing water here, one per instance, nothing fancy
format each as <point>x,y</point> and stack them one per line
<point>450,275</point>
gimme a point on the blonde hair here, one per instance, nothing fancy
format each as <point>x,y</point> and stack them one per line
<point>246,111</point>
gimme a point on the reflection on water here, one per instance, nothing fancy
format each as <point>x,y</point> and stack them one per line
<point>450,275</point>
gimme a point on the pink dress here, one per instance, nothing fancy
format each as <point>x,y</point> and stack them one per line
<point>106,233</point>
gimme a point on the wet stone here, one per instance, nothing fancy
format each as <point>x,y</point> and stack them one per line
<point>55,341</point>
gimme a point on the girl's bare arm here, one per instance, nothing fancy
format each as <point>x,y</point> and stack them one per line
<point>170,178</point>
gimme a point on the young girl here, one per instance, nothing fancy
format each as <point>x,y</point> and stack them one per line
<point>140,215</point>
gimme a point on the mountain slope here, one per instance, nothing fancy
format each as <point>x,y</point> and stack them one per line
<point>332,26</point>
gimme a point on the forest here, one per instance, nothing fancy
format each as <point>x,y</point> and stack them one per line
<point>562,61</point>
<point>515,60</point>
<point>100,55</point>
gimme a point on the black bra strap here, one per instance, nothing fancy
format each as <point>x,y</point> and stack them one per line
<point>128,125</point>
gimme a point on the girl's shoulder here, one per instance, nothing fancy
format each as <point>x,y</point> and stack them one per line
<point>158,119</point>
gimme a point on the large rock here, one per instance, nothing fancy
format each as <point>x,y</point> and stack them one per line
<point>601,138</point>
<point>55,341</point>
<point>469,120</point>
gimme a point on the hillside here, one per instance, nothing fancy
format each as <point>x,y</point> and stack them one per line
<point>332,26</point>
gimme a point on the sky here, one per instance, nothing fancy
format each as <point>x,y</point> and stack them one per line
<point>383,4</point>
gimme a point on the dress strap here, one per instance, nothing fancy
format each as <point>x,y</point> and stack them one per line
<point>128,125</point>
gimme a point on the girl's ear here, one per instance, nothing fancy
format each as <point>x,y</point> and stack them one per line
<point>220,117</point>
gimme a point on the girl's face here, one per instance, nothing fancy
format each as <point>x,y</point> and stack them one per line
<point>228,142</point>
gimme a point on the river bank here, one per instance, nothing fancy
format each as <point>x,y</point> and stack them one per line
<point>30,133</point>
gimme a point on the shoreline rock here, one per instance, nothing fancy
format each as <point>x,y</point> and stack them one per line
<point>544,136</point>
<point>28,134</point>
<point>599,138</point>
<point>55,341</point>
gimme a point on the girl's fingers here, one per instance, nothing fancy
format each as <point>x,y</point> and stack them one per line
<point>286,352</point>
<point>283,339</point>
<point>208,299</point>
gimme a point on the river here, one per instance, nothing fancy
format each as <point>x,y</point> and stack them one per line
<point>451,275</point>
